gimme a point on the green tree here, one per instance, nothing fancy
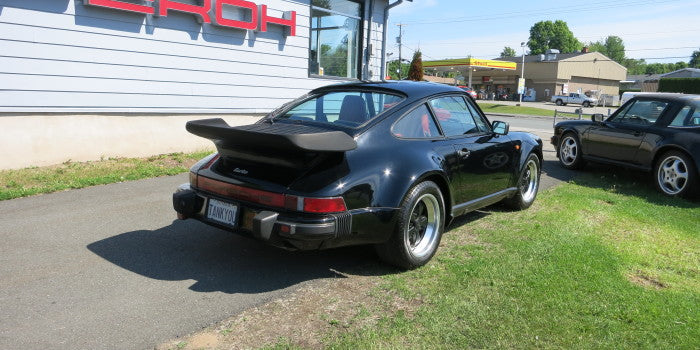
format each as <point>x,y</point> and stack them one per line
<point>508,52</point>
<point>635,67</point>
<point>695,60</point>
<point>546,35</point>
<point>393,68</point>
<point>415,73</point>
<point>612,47</point>
<point>655,68</point>
<point>679,65</point>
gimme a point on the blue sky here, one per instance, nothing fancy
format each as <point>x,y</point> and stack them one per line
<point>659,31</point>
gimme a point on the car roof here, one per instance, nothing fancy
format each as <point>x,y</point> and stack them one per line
<point>408,88</point>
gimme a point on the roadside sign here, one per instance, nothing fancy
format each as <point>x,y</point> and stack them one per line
<point>521,86</point>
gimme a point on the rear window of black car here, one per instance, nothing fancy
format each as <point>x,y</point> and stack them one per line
<point>346,108</point>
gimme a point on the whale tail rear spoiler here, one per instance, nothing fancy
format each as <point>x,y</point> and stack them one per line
<point>279,144</point>
<point>278,136</point>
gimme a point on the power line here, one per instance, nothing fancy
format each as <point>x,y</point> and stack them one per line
<point>541,12</point>
<point>618,35</point>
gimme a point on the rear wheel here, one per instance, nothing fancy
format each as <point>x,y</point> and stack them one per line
<point>570,152</point>
<point>419,229</point>
<point>586,104</point>
<point>528,184</point>
<point>559,102</point>
<point>675,174</point>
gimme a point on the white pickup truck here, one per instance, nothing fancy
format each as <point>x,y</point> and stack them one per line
<point>575,98</point>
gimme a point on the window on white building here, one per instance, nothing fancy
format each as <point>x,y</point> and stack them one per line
<point>335,38</point>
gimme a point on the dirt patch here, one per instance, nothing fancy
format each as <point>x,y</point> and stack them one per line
<point>309,317</point>
<point>645,280</point>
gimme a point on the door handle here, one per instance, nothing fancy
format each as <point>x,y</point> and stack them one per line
<point>464,153</point>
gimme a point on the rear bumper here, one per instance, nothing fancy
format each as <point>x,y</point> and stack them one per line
<point>292,230</point>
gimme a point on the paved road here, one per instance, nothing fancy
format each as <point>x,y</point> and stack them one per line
<point>106,267</point>
<point>570,108</point>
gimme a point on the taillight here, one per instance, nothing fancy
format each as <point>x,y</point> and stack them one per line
<point>202,164</point>
<point>272,199</point>
<point>193,179</point>
<point>243,193</point>
<point>324,205</point>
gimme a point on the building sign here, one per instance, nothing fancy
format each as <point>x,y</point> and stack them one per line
<point>471,62</point>
<point>486,79</point>
<point>521,85</point>
<point>248,15</point>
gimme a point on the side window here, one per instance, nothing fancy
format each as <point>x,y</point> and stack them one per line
<point>641,112</point>
<point>481,123</point>
<point>416,124</point>
<point>687,116</point>
<point>454,116</point>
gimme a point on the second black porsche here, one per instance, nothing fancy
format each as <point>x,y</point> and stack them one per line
<point>659,133</point>
<point>388,164</point>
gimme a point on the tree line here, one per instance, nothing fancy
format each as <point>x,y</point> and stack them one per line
<point>545,35</point>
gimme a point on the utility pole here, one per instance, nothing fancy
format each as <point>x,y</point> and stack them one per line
<point>399,41</point>
<point>522,75</point>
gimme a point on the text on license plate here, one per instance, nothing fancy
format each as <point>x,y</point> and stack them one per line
<point>225,213</point>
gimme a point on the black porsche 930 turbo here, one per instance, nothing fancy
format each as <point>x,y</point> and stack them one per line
<point>383,163</point>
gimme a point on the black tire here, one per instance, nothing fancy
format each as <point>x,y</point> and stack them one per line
<point>586,104</point>
<point>528,184</point>
<point>559,102</point>
<point>569,152</point>
<point>419,228</point>
<point>675,175</point>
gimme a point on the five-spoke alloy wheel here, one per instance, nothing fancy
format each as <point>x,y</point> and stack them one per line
<point>675,174</point>
<point>570,152</point>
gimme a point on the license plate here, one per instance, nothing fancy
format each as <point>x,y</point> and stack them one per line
<point>222,212</point>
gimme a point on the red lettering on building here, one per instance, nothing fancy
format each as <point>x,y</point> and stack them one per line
<point>226,22</point>
<point>259,19</point>
<point>289,19</point>
<point>202,11</point>
<point>126,6</point>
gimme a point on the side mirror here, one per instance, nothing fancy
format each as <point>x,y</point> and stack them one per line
<point>598,118</point>
<point>500,128</point>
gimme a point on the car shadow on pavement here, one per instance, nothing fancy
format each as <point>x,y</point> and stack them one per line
<point>222,261</point>
<point>553,169</point>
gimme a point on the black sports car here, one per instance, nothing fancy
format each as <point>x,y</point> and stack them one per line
<point>380,163</point>
<point>651,132</point>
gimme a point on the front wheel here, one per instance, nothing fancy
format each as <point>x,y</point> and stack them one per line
<point>528,184</point>
<point>570,152</point>
<point>419,228</point>
<point>675,174</point>
<point>586,104</point>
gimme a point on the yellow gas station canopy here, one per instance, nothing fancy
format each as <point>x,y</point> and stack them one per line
<point>470,62</point>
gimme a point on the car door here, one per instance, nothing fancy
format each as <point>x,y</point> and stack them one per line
<point>484,160</point>
<point>619,137</point>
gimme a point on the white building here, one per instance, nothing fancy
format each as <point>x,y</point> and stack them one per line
<point>85,79</point>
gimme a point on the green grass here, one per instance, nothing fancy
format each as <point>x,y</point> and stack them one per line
<point>36,180</point>
<point>601,263</point>
<point>507,109</point>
